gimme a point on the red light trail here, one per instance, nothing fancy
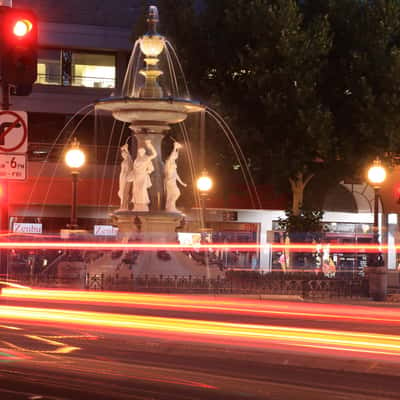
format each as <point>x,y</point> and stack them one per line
<point>300,247</point>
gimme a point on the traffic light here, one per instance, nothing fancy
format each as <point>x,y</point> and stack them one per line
<point>18,48</point>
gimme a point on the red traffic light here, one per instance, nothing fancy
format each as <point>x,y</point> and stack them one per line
<point>19,27</point>
<point>18,48</point>
<point>22,27</point>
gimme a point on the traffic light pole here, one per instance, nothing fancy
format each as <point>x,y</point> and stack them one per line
<point>4,225</point>
<point>5,89</point>
<point>18,65</point>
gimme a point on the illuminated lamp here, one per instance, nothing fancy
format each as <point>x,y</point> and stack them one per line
<point>204,183</point>
<point>22,27</point>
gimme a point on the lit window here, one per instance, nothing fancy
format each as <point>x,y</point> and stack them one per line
<point>93,70</point>
<point>49,67</point>
<point>73,68</point>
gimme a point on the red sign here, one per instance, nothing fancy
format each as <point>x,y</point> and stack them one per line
<point>13,132</point>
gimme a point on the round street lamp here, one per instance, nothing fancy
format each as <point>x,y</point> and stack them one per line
<point>204,183</point>
<point>376,174</point>
<point>377,276</point>
<point>74,158</point>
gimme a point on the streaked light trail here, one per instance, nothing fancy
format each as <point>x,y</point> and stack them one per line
<point>207,304</point>
<point>301,247</point>
<point>210,331</point>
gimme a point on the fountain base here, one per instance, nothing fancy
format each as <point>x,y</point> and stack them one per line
<point>153,228</point>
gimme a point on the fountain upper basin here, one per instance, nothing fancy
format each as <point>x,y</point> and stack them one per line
<point>164,111</point>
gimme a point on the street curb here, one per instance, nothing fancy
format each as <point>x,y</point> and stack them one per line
<point>263,296</point>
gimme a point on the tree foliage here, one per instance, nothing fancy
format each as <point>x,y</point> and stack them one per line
<point>305,84</point>
<point>306,221</point>
<point>267,78</point>
<point>361,84</point>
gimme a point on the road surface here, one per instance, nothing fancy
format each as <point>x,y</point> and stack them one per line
<point>97,345</point>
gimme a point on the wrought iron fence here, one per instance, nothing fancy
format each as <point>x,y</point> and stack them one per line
<point>305,286</point>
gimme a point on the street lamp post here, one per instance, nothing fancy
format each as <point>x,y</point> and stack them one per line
<point>377,274</point>
<point>204,185</point>
<point>75,159</point>
<point>376,177</point>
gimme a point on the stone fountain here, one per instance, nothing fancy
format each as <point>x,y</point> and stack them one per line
<point>148,186</point>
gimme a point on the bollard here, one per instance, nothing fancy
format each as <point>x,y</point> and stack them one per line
<point>378,282</point>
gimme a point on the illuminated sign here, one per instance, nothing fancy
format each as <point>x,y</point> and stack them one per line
<point>21,227</point>
<point>189,239</point>
<point>105,230</point>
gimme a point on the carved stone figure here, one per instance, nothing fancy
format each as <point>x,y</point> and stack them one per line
<point>171,179</point>
<point>142,168</point>
<point>124,178</point>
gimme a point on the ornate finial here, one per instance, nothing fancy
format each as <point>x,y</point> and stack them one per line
<point>153,20</point>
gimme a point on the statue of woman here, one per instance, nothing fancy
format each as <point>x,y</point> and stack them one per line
<point>142,168</point>
<point>171,179</point>
<point>124,180</point>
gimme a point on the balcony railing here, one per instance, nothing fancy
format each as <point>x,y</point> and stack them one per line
<point>76,80</point>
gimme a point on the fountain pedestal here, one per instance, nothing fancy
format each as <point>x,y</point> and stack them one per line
<point>159,228</point>
<point>154,227</point>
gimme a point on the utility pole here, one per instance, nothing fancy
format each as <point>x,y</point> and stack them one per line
<point>18,67</point>
<point>4,217</point>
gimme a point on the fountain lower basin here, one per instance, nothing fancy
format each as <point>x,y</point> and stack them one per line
<point>149,112</point>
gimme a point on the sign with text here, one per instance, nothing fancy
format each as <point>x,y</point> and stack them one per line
<point>13,132</point>
<point>189,239</point>
<point>105,230</point>
<point>23,227</point>
<point>13,166</point>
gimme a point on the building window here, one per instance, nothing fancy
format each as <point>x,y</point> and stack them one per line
<point>93,70</point>
<point>75,68</point>
<point>49,67</point>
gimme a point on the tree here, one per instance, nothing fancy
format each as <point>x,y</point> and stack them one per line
<point>306,225</point>
<point>307,81</point>
<point>268,79</point>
